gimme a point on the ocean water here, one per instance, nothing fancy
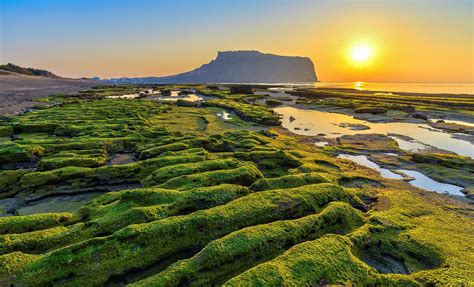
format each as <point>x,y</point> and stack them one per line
<point>423,88</point>
<point>430,88</point>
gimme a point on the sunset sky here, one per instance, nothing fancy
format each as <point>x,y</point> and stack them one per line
<point>409,40</point>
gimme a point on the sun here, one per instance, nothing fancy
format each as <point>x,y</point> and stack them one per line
<point>361,53</point>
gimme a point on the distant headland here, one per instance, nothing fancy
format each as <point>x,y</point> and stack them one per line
<point>242,67</point>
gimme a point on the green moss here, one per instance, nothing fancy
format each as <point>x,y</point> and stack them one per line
<point>9,178</point>
<point>5,131</point>
<point>31,242</point>
<point>80,158</point>
<point>244,175</point>
<point>138,246</point>
<point>315,262</point>
<point>242,249</point>
<point>163,174</point>
<point>75,179</point>
<point>289,181</point>
<point>446,160</point>
<point>11,263</point>
<point>146,205</point>
<point>199,231</point>
<point>21,224</point>
<point>18,153</point>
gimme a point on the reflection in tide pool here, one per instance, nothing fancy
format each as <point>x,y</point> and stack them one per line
<point>364,161</point>
<point>313,122</point>
<point>409,145</point>
<point>420,180</point>
<point>130,96</point>
<point>224,115</point>
<point>424,182</point>
<point>321,144</point>
<point>175,97</point>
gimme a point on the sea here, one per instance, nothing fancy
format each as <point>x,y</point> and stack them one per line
<point>423,88</point>
<point>429,88</point>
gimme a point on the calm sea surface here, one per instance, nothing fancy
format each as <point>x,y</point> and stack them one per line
<point>429,88</point>
<point>432,88</point>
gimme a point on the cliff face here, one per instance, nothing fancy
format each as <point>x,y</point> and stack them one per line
<point>245,67</point>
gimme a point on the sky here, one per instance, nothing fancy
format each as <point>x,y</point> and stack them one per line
<point>409,40</point>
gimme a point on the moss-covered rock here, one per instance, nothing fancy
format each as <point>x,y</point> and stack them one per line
<point>289,181</point>
<point>22,224</point>
<point>244,175</point>
<point>163,174</point>
<point>241,250</point>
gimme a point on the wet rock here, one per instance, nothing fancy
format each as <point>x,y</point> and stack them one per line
<point>120,158</point>
<point>297,129</point>
<point>292,119</point>
<point>410,109</point>
<point>453,127</point>
<point>372,142</point>
<point>419,116</point>
<point>165,93</point>
<point>469,192</point>
<point>185,93</point>
<point>241,90</point>
<point>355,127</point>
<point>273,103</point>
<point>9,205</point>
<point>370,110</point>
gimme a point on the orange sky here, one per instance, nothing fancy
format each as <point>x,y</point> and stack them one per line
<point>413,41</point>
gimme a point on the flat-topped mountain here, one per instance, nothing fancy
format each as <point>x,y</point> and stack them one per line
<point>243,67</point>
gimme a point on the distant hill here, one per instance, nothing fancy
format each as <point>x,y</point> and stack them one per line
<point>20,86</point>
<point>242,67</point>
<point>28,71</point>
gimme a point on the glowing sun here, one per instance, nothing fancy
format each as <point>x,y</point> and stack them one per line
<point>361,53</point>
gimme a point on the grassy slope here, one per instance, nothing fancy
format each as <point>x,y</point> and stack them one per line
<point>223,205</point>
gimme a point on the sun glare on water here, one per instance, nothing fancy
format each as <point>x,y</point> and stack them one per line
<point>361,53</point>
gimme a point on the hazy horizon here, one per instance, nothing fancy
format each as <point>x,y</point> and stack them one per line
<point>412,41</point>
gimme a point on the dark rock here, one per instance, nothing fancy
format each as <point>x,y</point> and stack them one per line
<point>292,119</point>
<point>241,90</point>
<point>165,93</point>
<point>370,110</point>
<point>185,92</point>
<point>273,103</point>
<point>410,109</point>
<point>419,116</point>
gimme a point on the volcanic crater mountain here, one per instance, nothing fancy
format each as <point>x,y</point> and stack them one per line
<point>242,67</point>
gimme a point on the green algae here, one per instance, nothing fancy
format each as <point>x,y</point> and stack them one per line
<point>246,174</point>
<point>141,245</point>
<point>223,204</point>
<point>317,262</point>
<point>249,246</point>
<point>164,174</point>
<point>21,224</point>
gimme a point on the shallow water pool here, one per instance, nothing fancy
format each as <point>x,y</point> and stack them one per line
<point>314,122</point>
